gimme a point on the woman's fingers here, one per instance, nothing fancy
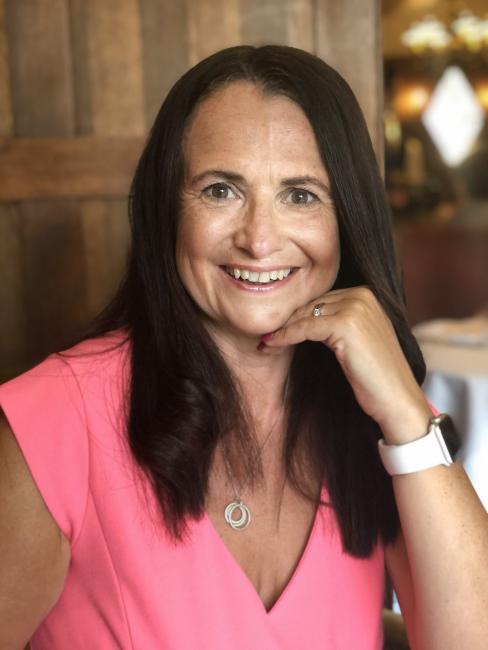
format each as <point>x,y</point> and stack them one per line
<point>303,325</point>
<point>307,328</point>
<point>330,298</point>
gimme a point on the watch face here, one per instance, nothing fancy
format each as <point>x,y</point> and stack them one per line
<point>449,433</point>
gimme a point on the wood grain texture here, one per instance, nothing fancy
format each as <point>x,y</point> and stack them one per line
<point>113,65</point>
<point>67,167</point>
<point>53,275</point>
<point>81,70</point>
<point>281,22</point>
<point>164,42</point>
<point>445,267</point>
<point>6,114</point>
<point>349,39</point>
<point>212,25</point>
<point>263,23</point>
<point>300,24</point>
<point>12,322</point>
<point>40,66</point>
<point>105,231</point>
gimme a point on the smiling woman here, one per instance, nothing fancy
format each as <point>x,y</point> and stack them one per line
<point>248,221</point>
<point>201,468</point>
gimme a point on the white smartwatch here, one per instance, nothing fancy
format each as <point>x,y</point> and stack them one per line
<point>437,447</point>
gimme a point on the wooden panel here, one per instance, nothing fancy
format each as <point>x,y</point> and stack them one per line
<point>12,323</point>
<point>287,22</point>
<point>109,36</point>
<point>300,24</point>
<point>211,27</point>
<point>263,22</point>
<point>445,269</point>
<point>75,167</point>
<point>40,63</point>
<point>12,333</point>
<point>164,50</point>
<point>6,116</point>
<point>348,38</point>
<point>81,74</point>
<point>54,283</point>
<point>105,228</point>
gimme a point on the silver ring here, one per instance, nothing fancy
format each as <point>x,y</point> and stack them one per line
<point>317,310</point>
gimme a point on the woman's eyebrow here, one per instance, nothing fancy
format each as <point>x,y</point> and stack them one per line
<point>305,180</point>
<point>238,178</point>
<point>220,173</point>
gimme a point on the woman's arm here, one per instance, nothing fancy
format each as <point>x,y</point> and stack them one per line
<point>34,555</point>
<point>439,566</point>
<point>441,572</point>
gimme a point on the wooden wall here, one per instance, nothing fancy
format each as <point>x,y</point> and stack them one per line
<point>80,83</point>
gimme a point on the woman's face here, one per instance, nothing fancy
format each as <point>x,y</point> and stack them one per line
<point>258,234</point>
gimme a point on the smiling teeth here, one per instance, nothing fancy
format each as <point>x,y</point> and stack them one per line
<point>262,277</point>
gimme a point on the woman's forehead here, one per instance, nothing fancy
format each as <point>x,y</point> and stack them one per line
<point>244,104</point>
<point>240,122</point>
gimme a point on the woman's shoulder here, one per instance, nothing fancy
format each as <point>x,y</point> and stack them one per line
<point>95,363</point>
<point>71,376</point>
<point>55,408</point>
<point>102,353</point>
<point>109,342</point>
<point>110,351</point>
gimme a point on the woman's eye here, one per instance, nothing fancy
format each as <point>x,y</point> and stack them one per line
<point>218,191</point>
<point>302,197</point>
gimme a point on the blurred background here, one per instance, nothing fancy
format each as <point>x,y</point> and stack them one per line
<point>81,82</point>
<point>436,148</point>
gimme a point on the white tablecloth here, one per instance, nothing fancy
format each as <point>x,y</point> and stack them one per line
<point>457,383</point>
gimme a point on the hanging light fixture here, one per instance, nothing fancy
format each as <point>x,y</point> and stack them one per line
<point>429,34</point>
<point>471,31</point>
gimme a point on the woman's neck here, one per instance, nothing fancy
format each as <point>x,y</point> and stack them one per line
<point>261,377</point>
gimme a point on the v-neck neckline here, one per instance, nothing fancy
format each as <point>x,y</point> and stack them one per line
<point>299,568</point>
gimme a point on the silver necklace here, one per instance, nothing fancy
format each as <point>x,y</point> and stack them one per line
<point>238,504</point>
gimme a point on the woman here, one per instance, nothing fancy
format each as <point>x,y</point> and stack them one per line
<point>201,470</point>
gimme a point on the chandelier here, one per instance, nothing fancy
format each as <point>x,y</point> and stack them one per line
<point>466,31</point>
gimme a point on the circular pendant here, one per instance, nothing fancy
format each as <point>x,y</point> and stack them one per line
<point>244,519</point>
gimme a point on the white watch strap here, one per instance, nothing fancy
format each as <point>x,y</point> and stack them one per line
<point>425,452</point>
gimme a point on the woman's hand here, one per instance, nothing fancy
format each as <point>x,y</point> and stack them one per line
<point>354,326</point>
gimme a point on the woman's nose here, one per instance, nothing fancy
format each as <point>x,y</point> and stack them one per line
<point>259,232</point>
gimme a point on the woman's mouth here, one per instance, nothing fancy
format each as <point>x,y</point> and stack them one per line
<point>253,277</point>
<point>259,281</point>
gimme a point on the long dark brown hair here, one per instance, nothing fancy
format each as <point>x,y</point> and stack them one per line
<point>183,398</point>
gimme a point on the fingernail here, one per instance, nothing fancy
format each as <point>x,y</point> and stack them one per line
<point>261,346</point>
<point>267,337</point>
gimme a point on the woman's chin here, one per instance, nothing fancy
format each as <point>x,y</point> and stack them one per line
<point>248,330</point>
<point>256,330</point>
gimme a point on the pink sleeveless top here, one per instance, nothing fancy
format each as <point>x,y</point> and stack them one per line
<point>128,585</point>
